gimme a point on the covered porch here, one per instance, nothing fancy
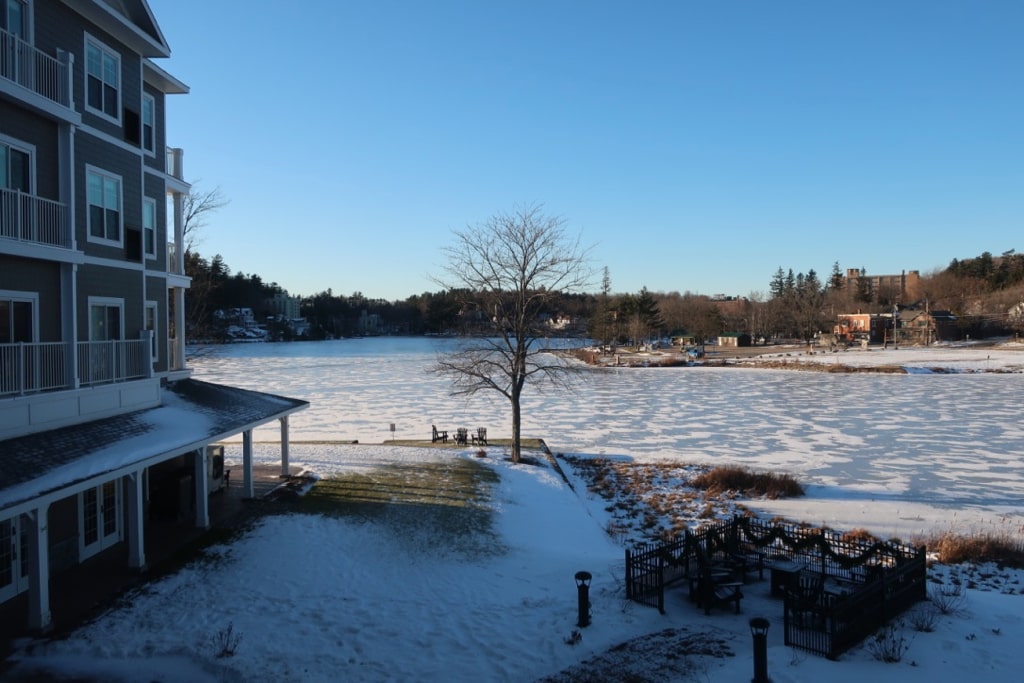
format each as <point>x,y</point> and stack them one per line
<point>85,496</point>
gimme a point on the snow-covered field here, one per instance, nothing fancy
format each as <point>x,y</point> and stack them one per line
<point>324,599</point>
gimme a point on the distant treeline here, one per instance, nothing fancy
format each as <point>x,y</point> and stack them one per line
<point>980,291</point>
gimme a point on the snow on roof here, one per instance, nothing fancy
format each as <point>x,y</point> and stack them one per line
<point>192,412</point>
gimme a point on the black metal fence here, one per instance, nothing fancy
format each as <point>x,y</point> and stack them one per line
<point>881,579</point>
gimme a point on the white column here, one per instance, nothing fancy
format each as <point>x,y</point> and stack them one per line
<point>248,488</point>
<point>284,446</point>
<point>34,525</point>
<point>202,481</point>
<point>136,520</point>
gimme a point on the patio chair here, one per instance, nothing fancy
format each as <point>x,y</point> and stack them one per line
<point>438,435</point>
<point>462,436</point>
<point>481,436</point>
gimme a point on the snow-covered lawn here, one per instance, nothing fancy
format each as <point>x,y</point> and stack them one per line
<point>366,599</point>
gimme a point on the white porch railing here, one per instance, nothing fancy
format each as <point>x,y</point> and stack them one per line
<point>104,362</point>
<point>174,163</point>
<point>173,262</point>
<point>28,218</point>
<point>46,366</point>
<point>33,69</point>
<point>30,368</point>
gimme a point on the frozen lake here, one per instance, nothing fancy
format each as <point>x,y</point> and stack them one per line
<point>908,451</point>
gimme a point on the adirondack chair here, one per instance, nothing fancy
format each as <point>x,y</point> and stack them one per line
<point>480,437</point>
<point>462,436</point>
<point>438,435</point>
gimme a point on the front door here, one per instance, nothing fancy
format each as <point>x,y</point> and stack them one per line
<point>13,559</point>
<point>100,518</point>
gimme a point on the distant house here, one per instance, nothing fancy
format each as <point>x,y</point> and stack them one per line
<point>734,339</point>
<point>856,327</point>
<point>925,327</point>
<point>102,428</point>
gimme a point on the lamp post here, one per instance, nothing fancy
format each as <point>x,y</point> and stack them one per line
<point>583,596</point>
<point>759,630</point>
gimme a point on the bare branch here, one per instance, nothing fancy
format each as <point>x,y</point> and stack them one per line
<point>197,206</point>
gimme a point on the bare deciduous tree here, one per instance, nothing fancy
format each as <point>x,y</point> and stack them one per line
<point>197,206</point>
<point>513,266</point>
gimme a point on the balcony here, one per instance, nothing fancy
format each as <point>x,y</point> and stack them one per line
<point>32,219</point>
<point>175,161</point>
<point>46,366</point>
<point>34,70</point>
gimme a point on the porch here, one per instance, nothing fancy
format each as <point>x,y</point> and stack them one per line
<point>96,584</point>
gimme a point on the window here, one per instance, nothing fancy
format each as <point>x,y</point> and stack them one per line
<point>15,167</point>
<point>105,319</point>
<point>17,317</point>
<point>149,227</point>
<point>104,197</point>
<point>149,124</point>
<point>103,71</point>
<point>14,18</point>
<point>151,310</point>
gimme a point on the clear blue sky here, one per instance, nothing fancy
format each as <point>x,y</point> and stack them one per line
<point>698,146</point>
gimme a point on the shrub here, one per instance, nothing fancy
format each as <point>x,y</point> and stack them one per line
<point>948,599</point>
<point>1002,547</point>
<point>225,641</point>
<point>732,478</point>
<point>888,645</point>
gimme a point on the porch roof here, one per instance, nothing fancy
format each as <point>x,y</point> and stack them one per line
<point>192,414</point>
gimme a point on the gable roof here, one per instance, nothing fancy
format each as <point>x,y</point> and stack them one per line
<point>130,21</point>
<point>193,414</point>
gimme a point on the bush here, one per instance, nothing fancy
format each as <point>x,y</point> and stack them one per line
<point>732,478</point>
<point>1002,547</point>
<point>888,645</point>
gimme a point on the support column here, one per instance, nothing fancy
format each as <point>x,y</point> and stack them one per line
<point>35,526</point>
<point>136,521</point>
<point>248,487</point>
<point>202,481</point>
<point>284,446</point>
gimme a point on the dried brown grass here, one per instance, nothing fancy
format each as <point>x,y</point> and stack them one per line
<point>730,478</point>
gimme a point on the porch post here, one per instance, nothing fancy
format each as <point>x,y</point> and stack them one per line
<point>248,488</point>
<point>34,525</point>
<point>202,482</point>
<point>284,446</point>
<point>136,523</point>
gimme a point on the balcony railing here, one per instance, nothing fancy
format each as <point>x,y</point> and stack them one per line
<point>175,159</point>
<point>174,265</point>
<point>35,70</point>
<point>34,368</point>
<point>28,218</point>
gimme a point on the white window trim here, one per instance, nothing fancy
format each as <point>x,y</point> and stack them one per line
<point>155,347</point>
<point>102,542</point>
<point>150,256</point>
<point>31,151</point>
<point>120,210</point>
<point>106,301</point>
<point>142,132</point>
<point>30,297</point>
<point>85,72</point>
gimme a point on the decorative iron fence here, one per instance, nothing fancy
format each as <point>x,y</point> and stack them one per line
<point>882,579</point>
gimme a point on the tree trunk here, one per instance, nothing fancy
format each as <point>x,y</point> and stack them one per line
<point>516,426</point>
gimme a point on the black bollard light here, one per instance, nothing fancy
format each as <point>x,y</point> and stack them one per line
<point>583,595</point>
<point>759,630</point>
